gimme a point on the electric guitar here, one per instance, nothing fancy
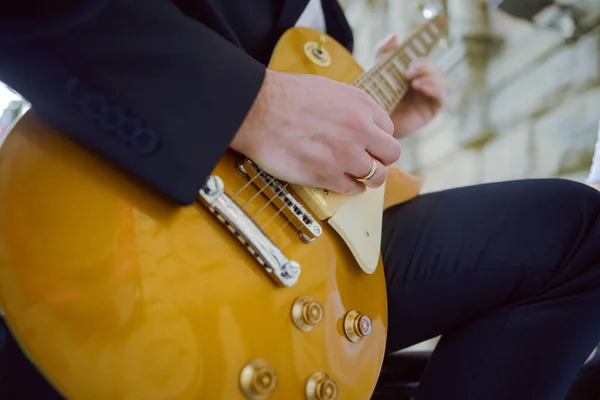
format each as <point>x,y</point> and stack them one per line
<point>258,290</point>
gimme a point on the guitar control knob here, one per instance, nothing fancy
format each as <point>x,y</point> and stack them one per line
<point>307,313</point>
<point>357,326</point>
<point>321,387</point>
<point>322,40</point>
<point>258,379</point>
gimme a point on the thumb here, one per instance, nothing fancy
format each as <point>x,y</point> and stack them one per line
<point>386,45</point>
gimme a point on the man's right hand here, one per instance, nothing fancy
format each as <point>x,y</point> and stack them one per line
<point>315,132</point>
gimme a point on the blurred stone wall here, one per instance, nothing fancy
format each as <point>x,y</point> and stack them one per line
<point>544,96</point>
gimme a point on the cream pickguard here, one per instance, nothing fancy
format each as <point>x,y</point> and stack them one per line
<point>358,221</point>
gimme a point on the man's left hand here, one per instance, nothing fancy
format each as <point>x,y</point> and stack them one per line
<point>426,97</point>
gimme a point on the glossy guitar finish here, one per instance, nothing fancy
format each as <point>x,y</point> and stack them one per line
<point>116,293</point>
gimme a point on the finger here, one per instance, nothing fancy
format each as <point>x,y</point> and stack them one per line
<point>362,167</point>
<point>422,66</point>
<point>348,186</point>
<point>388,44</point>
<point>437,79</point>
<point>381,118</point>
<point>383,147</point>
<point>430,88</point>
<point>378,177</point>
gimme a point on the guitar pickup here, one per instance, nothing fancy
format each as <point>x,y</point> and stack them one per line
<point>299,217</point>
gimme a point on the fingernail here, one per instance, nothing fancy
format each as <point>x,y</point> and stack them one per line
<point>390,36</point>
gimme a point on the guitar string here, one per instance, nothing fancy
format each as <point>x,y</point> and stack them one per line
<point>437,21</point>
<point>363,80</point>
<point>279,211</point>
<point>271,179</point>
<point>280,230</point>
<point>398,53</point>
<point>371,85</point>
<point>367,79</point>
<point>288,220</point>
<point>258,192</point>
<point>270,200</point>
<point>240,190</point>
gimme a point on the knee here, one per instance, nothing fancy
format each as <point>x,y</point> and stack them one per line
<point>571,195</point>
<point>576,190</point>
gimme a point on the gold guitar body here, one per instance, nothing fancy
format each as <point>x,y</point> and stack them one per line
<point>116,293</point>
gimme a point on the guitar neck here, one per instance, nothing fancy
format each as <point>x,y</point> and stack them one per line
<point>385,82</point>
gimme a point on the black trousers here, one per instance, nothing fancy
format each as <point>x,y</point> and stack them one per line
<point>509,273</point>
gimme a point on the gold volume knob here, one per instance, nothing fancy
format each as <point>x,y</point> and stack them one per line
<point>357,326</point>
<point>258,379</point>
<point>317,52</point>
<point>307,313</point>
<point>321,387</point>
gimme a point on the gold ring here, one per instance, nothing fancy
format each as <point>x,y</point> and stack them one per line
<point>371,172</point>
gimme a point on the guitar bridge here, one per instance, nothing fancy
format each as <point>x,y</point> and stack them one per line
<point>268,255</point>
<point>299,217</point>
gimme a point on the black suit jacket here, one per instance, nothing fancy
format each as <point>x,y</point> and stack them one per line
<point>159,87</point>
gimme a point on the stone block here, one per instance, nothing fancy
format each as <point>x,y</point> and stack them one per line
<point>433,149</point>
<point>564,138</point>
<point>544,86</point>
<point>462,169</point>
<point>508,156</point>
<point>408,160</point>
<point>523,45</point>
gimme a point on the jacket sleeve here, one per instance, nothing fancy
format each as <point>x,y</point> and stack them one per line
<point>137,81</point>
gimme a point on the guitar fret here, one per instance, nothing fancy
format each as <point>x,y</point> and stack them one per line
<point>421,49</point>
<point>386,82</point>
<point>398,64</point>
<point>385,101</point>
<point>390,80</point>
<point>386,94</point>
<point>402,81</point>
<point>373,93</point>
<point>405,60</point>
<point>411,54</point>
<point>395,90</point>
<point>425,36</point>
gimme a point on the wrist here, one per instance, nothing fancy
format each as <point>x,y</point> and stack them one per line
<point>245,141</point>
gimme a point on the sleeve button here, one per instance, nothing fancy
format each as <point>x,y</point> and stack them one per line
<point>111,117</point>
<point>145,142</point>
<point>94,105</point>
<point>126,128</point>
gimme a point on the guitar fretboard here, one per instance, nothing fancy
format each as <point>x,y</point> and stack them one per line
<point>385,82</point>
